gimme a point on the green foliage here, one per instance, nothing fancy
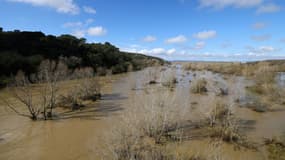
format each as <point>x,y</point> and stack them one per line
<point>25,51</point>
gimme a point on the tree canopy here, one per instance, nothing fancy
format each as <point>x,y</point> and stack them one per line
<point>24,50</point>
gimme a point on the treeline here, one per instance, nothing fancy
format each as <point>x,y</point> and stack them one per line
<point>23,50</point>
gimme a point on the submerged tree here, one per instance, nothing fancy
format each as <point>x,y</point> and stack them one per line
<point>42,99</point>
<point>22,92</point>
<point>50,73</point>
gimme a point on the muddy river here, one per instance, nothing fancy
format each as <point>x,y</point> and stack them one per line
<point>79,135</point>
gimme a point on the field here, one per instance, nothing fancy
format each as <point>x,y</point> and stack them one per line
<point>181,111</point>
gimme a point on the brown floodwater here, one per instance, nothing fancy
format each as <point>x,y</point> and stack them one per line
<point>79,135</point>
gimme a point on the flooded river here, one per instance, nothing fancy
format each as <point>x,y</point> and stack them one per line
<point>79,135</point>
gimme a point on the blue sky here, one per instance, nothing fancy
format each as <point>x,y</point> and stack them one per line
<point>235,30</point>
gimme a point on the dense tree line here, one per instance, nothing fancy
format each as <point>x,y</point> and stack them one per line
<point>23,50</point>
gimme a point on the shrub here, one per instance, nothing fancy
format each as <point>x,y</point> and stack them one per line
<point>90,89</point>
<point>265,75</point>
<point>224,125</point>
<point>199,86</point>
<point>219,113</point>
<point>101,71</point>
<point>145,127</point>
<point>71,100</point>
<point>87,88</point>
<point>275,148</point>
<point>151,75</point>
<point>169,79</point>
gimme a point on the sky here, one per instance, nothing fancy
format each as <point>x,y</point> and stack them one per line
<point>206,30</point>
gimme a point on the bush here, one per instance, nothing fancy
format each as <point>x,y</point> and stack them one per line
<point>223,125</point>
<point>101,71</point>
<point>169,80</point>
<point>265,75</point>
<point>219,113</point>
<point>199,86</point>
<point>275,148</point>
<point>145,127</point>
<point>151,75</point>
<point>71,100</point>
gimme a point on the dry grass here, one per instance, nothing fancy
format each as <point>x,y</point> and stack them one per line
<point>85,89</point>
<point>263,74</point>
<point>275,148</point>
<point>223,125</point>
<point>244,69</point>
<point>169,79</point>
<point>199,86</point>
<point>153,120</point>
<point>265,86</point>
<point>218,67</point>
<point>152,75</point>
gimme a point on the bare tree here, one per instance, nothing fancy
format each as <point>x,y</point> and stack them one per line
<point>50,73</point>
<point>23,93</point>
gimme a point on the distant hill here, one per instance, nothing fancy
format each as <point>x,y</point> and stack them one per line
<point>24,50</point>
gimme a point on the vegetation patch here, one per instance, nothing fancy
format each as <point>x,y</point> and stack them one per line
<point>225,126</point>
<point>199,86</point>
<point>40,103</point>
<point>275,148</point>
<point>26,50</point>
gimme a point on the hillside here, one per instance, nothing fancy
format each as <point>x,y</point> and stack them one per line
<point>24,50</point>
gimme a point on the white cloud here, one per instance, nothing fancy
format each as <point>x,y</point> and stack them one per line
<point>149,38</point>
<point>77,25</point>
<point>267,49</point>
<point>199,45</point>
<point>268,8</point>
<point>261,38</point>
<point>171,51</point>
<point>154,51</point>
<point>259,25</point>
<point>205,34</point>
<point>262,50</point>
<point>219,4</point>
<point>61,6</point>
<point>177,39</point>
<point>157,51</point>
<point>251,54</point>
<point>96,31</point>
<point>89,10</point>
<point>72,24</point>
<point>78,33</point>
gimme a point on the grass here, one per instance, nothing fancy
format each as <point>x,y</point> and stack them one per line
<point>275,148</point>
<point>223,125</point>
<point>232,68</point>
<point>154,120</point>
<point>169,79</point>
<point>265,85</point>
<point>199,86</point>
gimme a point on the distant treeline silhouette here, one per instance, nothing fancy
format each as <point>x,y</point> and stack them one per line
<point>25,50</point>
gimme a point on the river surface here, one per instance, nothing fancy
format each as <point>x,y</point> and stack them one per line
<point>79,135</point>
